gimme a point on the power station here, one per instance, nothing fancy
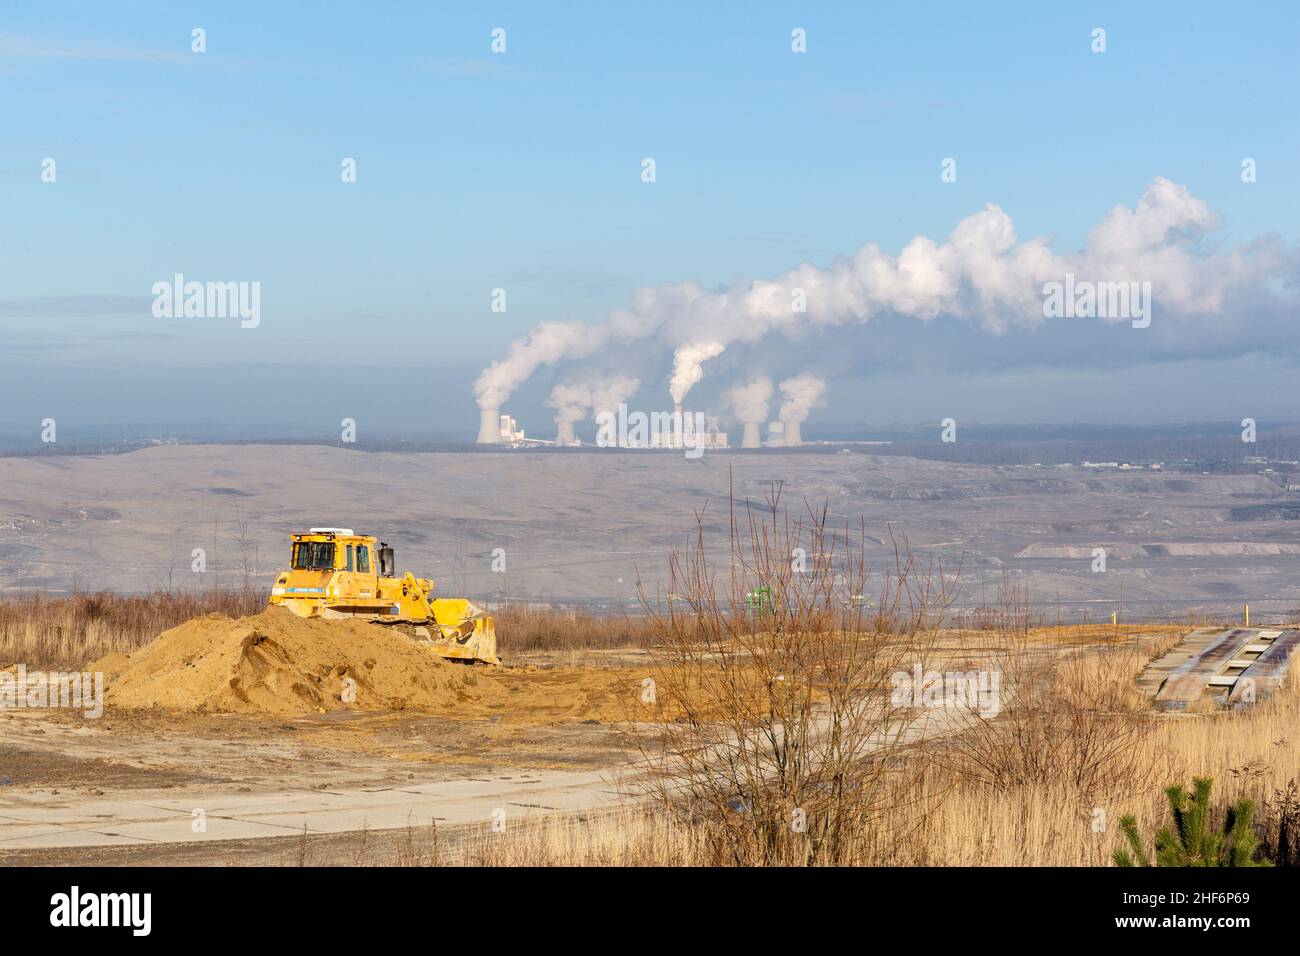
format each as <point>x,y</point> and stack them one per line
<point>662,430</point>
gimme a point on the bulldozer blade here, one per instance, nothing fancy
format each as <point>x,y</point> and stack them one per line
<point>459,630</point>
<point>467,631</point>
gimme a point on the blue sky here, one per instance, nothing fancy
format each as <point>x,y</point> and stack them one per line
<point>522,170</point>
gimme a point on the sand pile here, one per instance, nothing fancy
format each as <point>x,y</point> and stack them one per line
<point>276,663</point>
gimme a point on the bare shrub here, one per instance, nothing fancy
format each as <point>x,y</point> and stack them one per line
<point>1278,828</point>
<point>779,668</point>
<point>1069,714</point>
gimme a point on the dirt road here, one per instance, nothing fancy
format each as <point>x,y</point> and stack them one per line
<point>126,788</point>
<point>163,817</point>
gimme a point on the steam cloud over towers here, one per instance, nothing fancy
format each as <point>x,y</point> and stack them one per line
<point>981,274</point>
<point>575,402</point>
<point>801,393</point>
<point>749,403</point>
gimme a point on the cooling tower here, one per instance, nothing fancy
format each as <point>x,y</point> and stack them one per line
<point>565,434</point>
<point>752,439</point>
<point>775,434</point>
<point>792,437</point>
<point>489,426</point>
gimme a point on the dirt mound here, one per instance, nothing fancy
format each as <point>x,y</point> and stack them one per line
<point>276,663</point>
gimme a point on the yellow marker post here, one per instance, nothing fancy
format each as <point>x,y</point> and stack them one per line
<point>1114,618</point>
<point>1247,608</point>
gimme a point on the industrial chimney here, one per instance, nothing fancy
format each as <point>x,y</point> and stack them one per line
<point>792,437</point>
<point>565,434</point>
<point>489,426</point>
<point>753,438</point>
<point>776,434</point>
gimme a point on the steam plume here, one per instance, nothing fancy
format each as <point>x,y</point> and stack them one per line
<point>750,402</point>
<point>572,402</point>
<point>801,393</point>
<point>548,343</point>
<point>979,273</point>
<point>608,393</point>
<point>688,367</point>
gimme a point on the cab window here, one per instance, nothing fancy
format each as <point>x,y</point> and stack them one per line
<point>349,557</point>
<point>313,556</point>
<point>363,559</point>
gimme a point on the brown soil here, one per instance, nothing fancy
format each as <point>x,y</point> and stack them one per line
<point>274,663</point>
<point>23,768</point>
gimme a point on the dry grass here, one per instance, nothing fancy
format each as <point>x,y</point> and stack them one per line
<point>1071,714</point>
<point>627,837</point>
<point>67,631</point>
<point>522,628</point>
<point>1011,791</point>
<point>939,820</point>
<point>1045,784</point>
<point>44,631</point>
<point>1250,753</point>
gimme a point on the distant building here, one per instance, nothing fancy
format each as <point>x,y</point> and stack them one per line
<point>711,439</point>
<point>510,430</point>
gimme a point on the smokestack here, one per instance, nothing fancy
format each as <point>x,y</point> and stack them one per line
<point>749,403</point>
<point>565,434</point>
<point>801,393</point>
<point>489,426</point>
<point>776,434</point>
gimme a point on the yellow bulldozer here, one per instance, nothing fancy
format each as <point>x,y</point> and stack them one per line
<point>334,573</point>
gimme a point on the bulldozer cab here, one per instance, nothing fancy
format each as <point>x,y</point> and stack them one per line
<point>336,573</point>
<point>322,550</point>
<point>330,567</point>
